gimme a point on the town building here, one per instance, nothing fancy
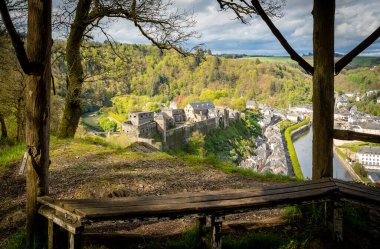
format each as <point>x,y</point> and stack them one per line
<point>305,109</point>
<point>370,157</point>
<point>198,111</point>
<point>140,124</point>
<point>366,127</point>
<point>294,117</point>
<point>178,115</point>
<point>164,122</point>
<point>140,117</point>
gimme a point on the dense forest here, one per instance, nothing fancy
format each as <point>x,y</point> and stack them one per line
<point>126,77</point>
<point>141,76</point>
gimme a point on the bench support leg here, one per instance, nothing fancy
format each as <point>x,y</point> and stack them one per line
<point>338,221</point>
<point>201,223</point>
<point>50,234</point>
<point>74,241</point>
<point>216,232</point>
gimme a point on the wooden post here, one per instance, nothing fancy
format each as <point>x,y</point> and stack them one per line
<point>338,221</point>
<point>323,88</point>
<point>74,241</point>
<point>201,223</point>
<point>50,234</point>
<point>216,232</point>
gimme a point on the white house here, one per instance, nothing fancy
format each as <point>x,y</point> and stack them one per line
<point>370,157</point>
<point>294,117</point>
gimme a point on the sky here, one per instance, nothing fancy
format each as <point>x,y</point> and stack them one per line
<point>222,33</point>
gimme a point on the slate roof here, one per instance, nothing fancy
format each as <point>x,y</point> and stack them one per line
<point>370,150</point>
<point>202,105</point>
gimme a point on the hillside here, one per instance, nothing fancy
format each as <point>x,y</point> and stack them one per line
<point>92,168</point>
<point>142,76</point>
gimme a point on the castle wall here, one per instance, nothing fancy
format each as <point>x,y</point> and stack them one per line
<point>177,137</point>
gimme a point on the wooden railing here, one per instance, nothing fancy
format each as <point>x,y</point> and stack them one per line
<point>74,214</point>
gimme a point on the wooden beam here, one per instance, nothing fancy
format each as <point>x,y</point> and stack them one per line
<point>293,54</point>
<point>216,232</point>
<point>338,221</point>
<point>356,51</point>
<point>50,234</point>
<point>323,88</point>
<point>353,135</point>
<point>68,225</point>
<point>74,241</point>
<point>201,224</point>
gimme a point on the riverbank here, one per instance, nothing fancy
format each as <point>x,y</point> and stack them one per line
<point>303,146</point>
<point>347,166</point>
<point>289,136</point>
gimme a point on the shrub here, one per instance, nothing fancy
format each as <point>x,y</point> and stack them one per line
<point>196,145</point>
<point>107,125</point>
<point>359,169</point>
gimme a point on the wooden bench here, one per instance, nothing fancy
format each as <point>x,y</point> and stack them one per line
<point>74,214</point>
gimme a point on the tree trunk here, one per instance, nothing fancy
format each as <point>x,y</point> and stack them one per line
<point>73,106</point>
<point>20,117</point>
<point>4,133</point>
<point>323,88</point>
<point>37,117</point>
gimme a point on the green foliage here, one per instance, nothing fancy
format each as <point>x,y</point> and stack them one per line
<point>148,72</point>
<point>266,240</point>
<point>117,117</point>
<point>189,240</point>
<point>107,125</point>
<point>359,169</point>
<point>362,77</point>
<point>356,218</point>
<point>236,142</point>
<point>17,240</point>
<point>370,105</point>
<point>285,124</point>
<point>291,149</point>
<point>355,147</point>
<point>232,169</point>
<point>290,210</point>
<point>9,154</point>
<point>258,240</point>
<point>125,104</point>
<point>196,144</point>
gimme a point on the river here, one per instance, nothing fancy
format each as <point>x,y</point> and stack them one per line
<point>303,147</point>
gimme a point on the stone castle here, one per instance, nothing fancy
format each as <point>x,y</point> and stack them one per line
<point>201,116</point>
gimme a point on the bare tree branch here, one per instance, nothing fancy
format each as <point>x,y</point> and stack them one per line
<point>339,65</point>
<point>243,10</point>
<point>31,68</point>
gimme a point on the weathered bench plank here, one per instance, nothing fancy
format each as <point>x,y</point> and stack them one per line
<point>219,193</point>
<point>206,197</point>
<point>204,206</point>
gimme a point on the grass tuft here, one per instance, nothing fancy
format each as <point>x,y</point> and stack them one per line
<point>10,154</point>
<point>17,240</point>
<point>231,169</point>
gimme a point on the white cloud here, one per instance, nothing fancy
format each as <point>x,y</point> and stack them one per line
<point>220,31</point>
